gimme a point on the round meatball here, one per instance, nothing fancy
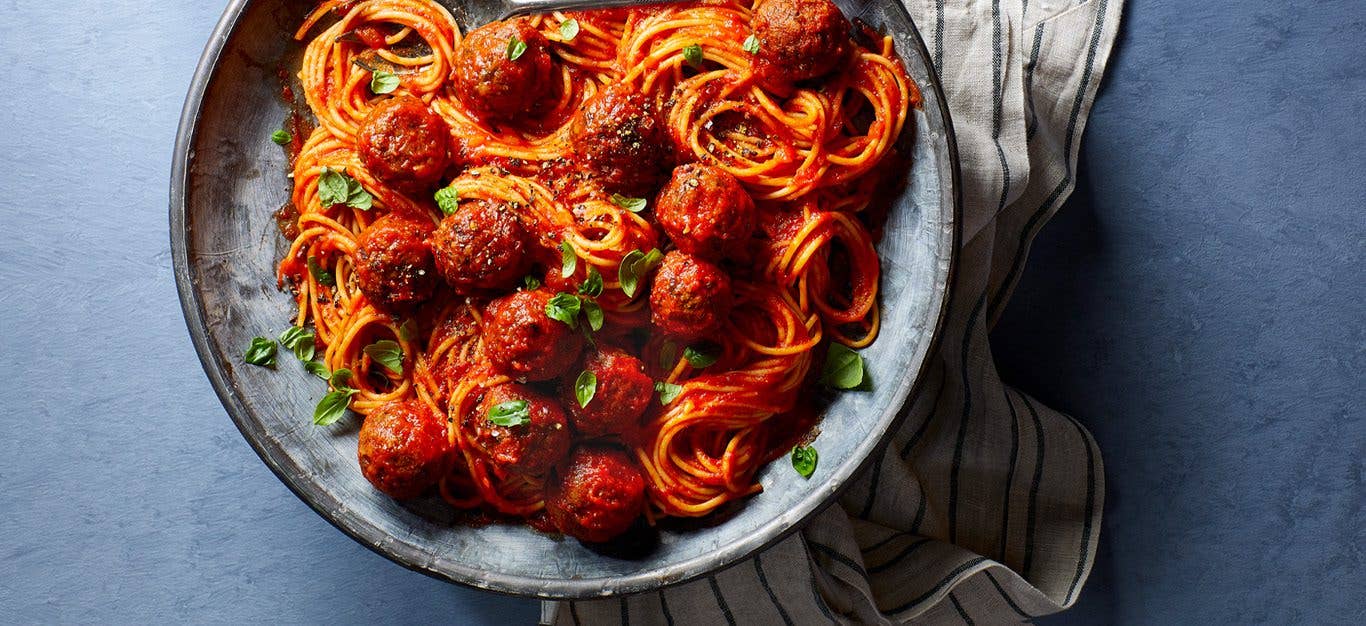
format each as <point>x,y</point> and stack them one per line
<point>529,448</point>
<point>597,495</point>
<point>619,139</point>
<point>404,144</point>
<point>690,297</point>
<point>403,448</point>
<point>798,40</point>
<point>524,342</point>
<point>481,246</point>
<point>705,211</point>
<point>394,266</point>
<point>498,87</point>
<point>622,394</point>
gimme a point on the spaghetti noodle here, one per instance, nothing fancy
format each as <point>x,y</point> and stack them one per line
<point>811,154</point>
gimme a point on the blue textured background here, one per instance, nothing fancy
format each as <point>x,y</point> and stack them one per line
<point>1208,271</point>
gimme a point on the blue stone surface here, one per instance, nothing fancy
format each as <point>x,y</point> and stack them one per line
<point>1198,304</point>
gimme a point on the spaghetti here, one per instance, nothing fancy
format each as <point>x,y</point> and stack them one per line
<point>809,156</point>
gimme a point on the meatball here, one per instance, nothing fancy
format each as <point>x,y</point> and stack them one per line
<point>619,139</point>
<point>597,495</point>
<point>523,342</point>
<point>705,211</point>
<point>403,448</point>
<point>529,448</point>
<point>481,246</point>
<point>798,40</point>
<point>394,263</point>
<point>690,297</point>
<point>404,144</point>
<point>495,86</point>
<point>623,392</point>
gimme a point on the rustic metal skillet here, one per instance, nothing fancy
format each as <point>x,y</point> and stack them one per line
<point>227,180</point>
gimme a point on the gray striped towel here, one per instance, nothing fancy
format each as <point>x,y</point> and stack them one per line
<point>986,506</point>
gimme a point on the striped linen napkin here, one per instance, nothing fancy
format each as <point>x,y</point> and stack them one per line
<point>986,506</point>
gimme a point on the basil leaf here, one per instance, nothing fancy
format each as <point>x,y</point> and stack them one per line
<point>569,260</point>
<point>635,266</point>
<point>281,137</point>
<point>668,392</point>
<point>804,460</point>
<point>843,368</point>
<point>261,352</point>
<point>339,378</point>
<point>700,357</point>
<point>510,413</point>
<point>291,336</point>
<point>387,353</point>
<point>383,82</point>
<point>516,48</point>
<point>357,197</point>
<point>448,200</point>
<point>565,308</point>
<point>585,387</point>
<point>332,407</point>
<point>593,285</point>
<point>321,275</point>
<point>338,188</point>
<point>593,312</point>
<point>301,341</point>
<point>634,205</point>
<point>531,283</point>
<point>407,330</point>
<point>317,369</point>
<point>693,55</point>
<point>569,29</point>
<point>752,44</point>
<point>651,261</point>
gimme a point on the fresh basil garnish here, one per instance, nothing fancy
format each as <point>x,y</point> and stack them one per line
<point>516,48</point>
<point>382,82</point>
<point>510,413</point>
<point>700,356</point>
<point>281,137</point>
<point>336,187</point>
<point>569,29</point>
<point>804,460</point>
<point>668,392</point>
<point>634,205</point>
<point>585,387</point>
<point>531,283</point>
<point>593,312</point>
<point>261,352</point>
<point>569,260</point>
<point>635,266</point>
<point>320,274</point>
<point>843,368</point>
<point>317,369</point>
<point>592,286</point>
<point>447,199</point>
<point>301,341</point>
<point>752,44</point>
<point>407,330</point>
<point>333,405</point>
<point>565,308</point>
<point>693,55</point>
<point>387,353</point>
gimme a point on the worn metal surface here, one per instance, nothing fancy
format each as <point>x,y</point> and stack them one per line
<point>227,181</point>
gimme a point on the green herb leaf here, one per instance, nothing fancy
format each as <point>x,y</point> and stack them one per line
<point>531,283</point>
<point>668,355</point>
<point>320,274</point>
<point>281,137</point>
<point>339,379</point>
<point>387,353</point>
<point>407,330</point>
<point>635,266</point>
<point>593,312</point>
<point>516,48</point>
<point>569,260</point>
<point>448,200</point>
<point>634,205</point>
<point>261,352</point>
<point>593,285</point>
<point>700,356</point>
<point>301,341</point>
<point>333,406</point>
<point>693,55</point>
<point>383,82</point>
<point>585,387</point>
<point>338,188</point>
<point>317,369</point>
<point>569,29</point>
<point>565,308</point>
<point>510,413</point>
<point>668,392</point>
<point>752,44</point>
<point>843,368</point>
<point>804,460</point>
